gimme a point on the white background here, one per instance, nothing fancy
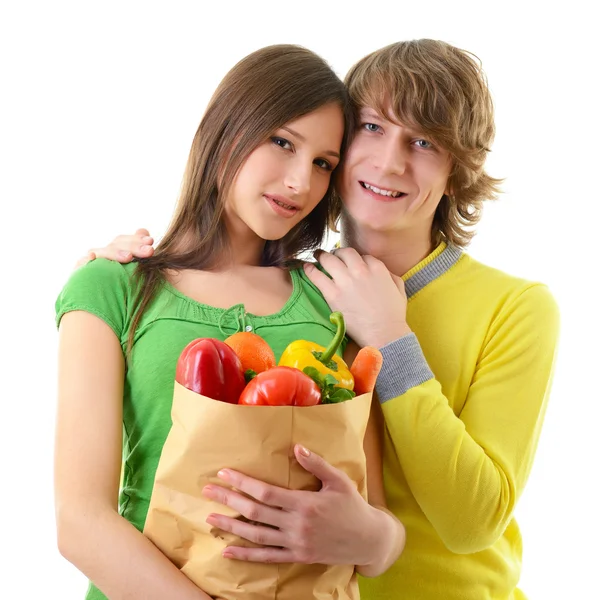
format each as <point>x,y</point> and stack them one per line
<point>99,104</point>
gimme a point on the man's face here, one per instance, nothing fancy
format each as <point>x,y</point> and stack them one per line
<point>393,177</point>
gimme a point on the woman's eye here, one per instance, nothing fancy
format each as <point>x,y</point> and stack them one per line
<point>281,142</point>
<point>371,127</point>
<point>324,164</point>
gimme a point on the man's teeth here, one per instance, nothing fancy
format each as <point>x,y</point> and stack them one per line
<point>381,192</point>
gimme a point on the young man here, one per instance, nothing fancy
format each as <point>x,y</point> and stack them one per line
<point>469,350</point>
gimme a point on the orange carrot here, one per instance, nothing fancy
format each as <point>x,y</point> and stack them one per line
<point>365,368</point>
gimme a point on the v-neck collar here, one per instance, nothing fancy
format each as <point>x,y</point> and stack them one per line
<point>430,268</point>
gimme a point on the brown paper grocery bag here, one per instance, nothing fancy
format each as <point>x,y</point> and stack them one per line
<point>208,435</point>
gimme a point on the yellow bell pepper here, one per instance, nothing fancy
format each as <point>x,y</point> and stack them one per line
<point>301,354</point>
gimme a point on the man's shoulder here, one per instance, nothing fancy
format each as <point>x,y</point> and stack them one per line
<point>504,287</point>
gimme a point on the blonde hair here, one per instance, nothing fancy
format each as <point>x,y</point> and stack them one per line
<point>441,91</point>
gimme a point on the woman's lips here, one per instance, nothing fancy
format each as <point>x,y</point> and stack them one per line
<point>281,205</point>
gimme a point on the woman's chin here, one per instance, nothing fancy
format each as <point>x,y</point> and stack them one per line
<point>273,234</point>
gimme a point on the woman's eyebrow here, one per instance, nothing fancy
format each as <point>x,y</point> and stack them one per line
<point>303,139</point>
<point>293,132</point>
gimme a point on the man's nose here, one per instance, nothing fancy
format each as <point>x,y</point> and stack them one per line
<point>391,157</point>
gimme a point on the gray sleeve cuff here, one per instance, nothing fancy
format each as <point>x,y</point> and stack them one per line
<point>404,367</point>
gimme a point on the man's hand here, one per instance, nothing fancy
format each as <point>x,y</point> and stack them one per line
<point>372,300</point>
<point>123,248</point>
<point>332,526</point>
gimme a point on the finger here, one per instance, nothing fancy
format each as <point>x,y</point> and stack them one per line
<point>378,267</point>
<point>325,284</point>
<point>259,534</point>
<point>84,260</point>
<point>261,555</point>
<point>114,253</point>
<point>399,282</point>
<point>125,248</point>
<point>343,264</point>
<point>328,260</point>
<point>350,257</point>
<point>265,493</point>
<point>247,507</point>
<point>144,238</point>
<point>320,468</point>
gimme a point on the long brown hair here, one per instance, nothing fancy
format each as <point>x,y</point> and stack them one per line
<point>442,91</point>
<point>262,92</point>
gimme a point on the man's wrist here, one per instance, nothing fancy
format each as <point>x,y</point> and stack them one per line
<point>392,334</point>
<point>386,541</point>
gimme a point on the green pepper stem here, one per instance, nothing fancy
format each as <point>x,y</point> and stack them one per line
<point>338,320</point>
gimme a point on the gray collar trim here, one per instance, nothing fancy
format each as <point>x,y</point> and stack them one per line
<point>438,266</point>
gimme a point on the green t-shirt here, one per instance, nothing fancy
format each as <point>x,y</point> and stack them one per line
<point>103,288</point>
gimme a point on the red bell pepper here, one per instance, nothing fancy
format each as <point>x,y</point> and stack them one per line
<point>210,367</point>
<point>281,386</point>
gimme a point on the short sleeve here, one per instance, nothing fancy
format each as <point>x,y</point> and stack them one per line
<point>102,288</point>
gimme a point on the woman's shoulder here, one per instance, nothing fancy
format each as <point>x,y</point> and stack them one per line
<point>102,270</point>
<point>99,279</point>
<point>302,280</point>
<point>101,287</point>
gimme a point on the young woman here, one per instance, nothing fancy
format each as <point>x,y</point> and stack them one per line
<point>257,191</point>
<point>468,350</point>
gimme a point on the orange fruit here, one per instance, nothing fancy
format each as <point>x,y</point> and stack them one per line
<point>253,351</point>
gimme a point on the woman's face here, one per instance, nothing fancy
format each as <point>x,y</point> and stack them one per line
<point>285,177</point>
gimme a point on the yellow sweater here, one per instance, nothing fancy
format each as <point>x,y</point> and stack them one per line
<point>463,400</point>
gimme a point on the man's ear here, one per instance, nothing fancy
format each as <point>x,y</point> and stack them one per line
<point>448,190</point>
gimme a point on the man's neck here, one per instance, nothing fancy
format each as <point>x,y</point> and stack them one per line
<point>399,251</point>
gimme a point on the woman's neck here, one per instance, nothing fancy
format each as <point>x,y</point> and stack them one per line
<point>245,248</point>
<point>238,251</point>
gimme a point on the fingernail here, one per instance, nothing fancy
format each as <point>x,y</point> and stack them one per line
<point>227,554</point>
<point>303,450</point>
<point>208,491</point>
<point>224,474</point>
<point>147,239</point>
<point>145,248</point>
<point>124,254</point>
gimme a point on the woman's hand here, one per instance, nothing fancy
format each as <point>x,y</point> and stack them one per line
<point>123,248</point>
<point>372,299</point>
<point>332,526</point>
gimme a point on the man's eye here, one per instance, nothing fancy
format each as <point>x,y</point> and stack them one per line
<point>423,144</point>
<point>281,142</point>
<point>371,127</point>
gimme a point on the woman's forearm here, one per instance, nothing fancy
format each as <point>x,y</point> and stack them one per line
<point>387,537</point>
<point>118,559</point>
